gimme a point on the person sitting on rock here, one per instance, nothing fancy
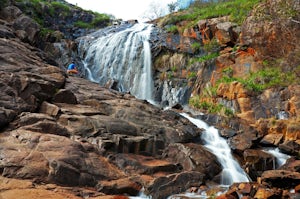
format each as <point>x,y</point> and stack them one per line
<point>72,69</point>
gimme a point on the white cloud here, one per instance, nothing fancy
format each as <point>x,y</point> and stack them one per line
<point>125,9</point>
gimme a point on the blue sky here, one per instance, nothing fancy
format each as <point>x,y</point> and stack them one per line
<point>125,9</point>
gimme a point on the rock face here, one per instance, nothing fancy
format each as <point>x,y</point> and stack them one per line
<point>26,78</point>
<point>270,36</point>
<point>60,130</point>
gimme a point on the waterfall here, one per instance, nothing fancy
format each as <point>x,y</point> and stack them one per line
<point>232,172</point>
<point>123,57</point>
<point>281,158</point>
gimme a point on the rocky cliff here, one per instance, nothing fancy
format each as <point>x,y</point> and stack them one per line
<point>255,74</point>
<point>65,137</point>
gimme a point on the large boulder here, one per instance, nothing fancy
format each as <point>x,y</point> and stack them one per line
<point>165,186</point>
<point>193,157</point>
<point>53,159</point>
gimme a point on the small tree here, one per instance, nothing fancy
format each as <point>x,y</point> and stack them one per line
<point>155,10</point>
<point>172,6</point>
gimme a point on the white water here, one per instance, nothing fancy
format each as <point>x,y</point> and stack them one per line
<point>282,115</point>
<point>124,57</point>
<point>232,172</point>
<point>281,158</point>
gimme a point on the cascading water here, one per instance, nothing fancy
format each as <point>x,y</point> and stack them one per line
<point>124,57</point>
<point>281,158</point>
<point>232,172</point>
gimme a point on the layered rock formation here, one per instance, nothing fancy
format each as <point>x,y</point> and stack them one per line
<point>66,131</point>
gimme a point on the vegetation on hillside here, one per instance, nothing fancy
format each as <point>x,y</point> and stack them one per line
<point>263,79</point>
<point>42,11</point>
<point>256,82</point>
<point>272,75</point>
<point>237,10</point>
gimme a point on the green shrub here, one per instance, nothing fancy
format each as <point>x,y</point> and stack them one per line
<point>82,24</point>
<point>211,46</point>
<point>209,91</point>
<point>172,29</point>
<point>45,31</point>
<point>196,46</point>
<point>174,68</point>
<point>191,75</point>
<point>170,75</point>
<point>204,58</point>
<point>227,71</point>
<point>100,19</point>
<point>263,79</point>
<point>210,107</point>
<point>268,78</point>
<point>60,6</point>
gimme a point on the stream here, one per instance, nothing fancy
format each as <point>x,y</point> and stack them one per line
<point>130,69</point>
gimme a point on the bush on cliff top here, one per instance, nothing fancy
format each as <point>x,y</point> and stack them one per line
<point>236,9</point>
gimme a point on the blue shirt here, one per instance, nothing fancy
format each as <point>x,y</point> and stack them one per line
<point>71,67</point>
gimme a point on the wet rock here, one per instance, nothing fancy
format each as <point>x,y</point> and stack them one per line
<point>257,161</point>
<point>231,194</point>
<point>193,157</point>
<point>177,106</point>
<point>227,133</point>
<point>247,188</point>
<point>112,84</point>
